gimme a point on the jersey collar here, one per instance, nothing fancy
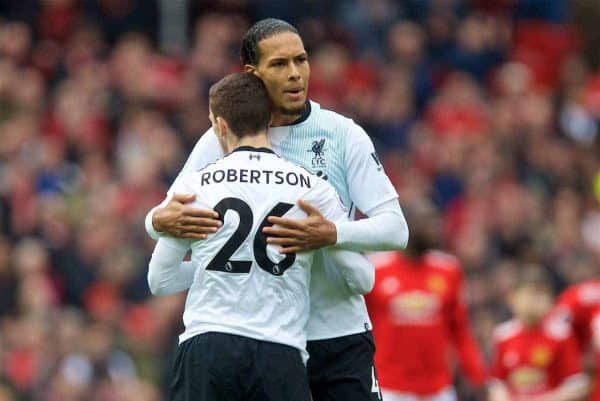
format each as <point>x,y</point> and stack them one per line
<point>252,149</point>
<point>305,114</point>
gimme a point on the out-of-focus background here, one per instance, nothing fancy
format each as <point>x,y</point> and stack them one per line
<point>489,109</point>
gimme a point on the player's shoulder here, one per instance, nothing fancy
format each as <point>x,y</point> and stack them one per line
<point>207,147</point>
<point>587,292</point>
<point>507,330</point>
<point>568,297</point>
<point>329,117</point>
<point>335,121</point>
<point>441,260</point>
<point>192,177</point>
<point>218,163</point>
<point>185,183</point>
<point>556,329</point>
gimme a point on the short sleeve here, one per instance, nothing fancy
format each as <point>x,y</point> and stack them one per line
<point>368,184</point>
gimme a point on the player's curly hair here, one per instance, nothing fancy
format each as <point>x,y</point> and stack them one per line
<point>261,30</point>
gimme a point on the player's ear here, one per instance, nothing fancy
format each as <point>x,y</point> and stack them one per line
<point>250,69</point>
<point>222,125</point>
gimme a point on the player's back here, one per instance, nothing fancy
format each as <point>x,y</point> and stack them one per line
<point>243,286</point>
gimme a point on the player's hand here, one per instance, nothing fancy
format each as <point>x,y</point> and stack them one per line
<point>293,235</point>
<point>181,221</point>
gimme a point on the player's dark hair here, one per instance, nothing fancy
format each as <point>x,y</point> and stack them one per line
<point>243,101</point>
<point>261,30</point>
<point>422,217</point>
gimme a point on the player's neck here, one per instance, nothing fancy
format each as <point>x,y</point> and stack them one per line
<point>530,324</point>
<point>280,120</point>
<point>256,141</point>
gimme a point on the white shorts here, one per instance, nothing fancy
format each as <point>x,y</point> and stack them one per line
<point>447,394</point>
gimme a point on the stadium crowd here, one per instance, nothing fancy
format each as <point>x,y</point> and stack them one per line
<point>488,110</point>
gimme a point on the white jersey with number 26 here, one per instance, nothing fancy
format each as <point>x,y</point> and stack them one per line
<point>338,150</point>
<point>244,286</point>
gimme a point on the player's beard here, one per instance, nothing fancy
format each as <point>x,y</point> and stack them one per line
<point>296,111</point>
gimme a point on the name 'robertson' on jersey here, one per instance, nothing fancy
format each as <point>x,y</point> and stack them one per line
<point>253,176</point>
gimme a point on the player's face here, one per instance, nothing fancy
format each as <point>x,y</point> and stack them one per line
<point>283,67</point>
<point>531,303</point>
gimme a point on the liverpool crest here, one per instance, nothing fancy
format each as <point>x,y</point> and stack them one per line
<point>318,148</point>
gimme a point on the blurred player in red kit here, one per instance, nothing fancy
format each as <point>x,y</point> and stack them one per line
<point>595,340</point>
<point>418,316</point>
<point>535,358</point>
<point>579,305</point>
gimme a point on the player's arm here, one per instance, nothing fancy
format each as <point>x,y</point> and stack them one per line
<point>371,191</point>
<point>467,349</point>
<point>357,270</point>
<point>167,273</point>
<point>574,388</point>
<point>385,229</point>
<point>496,387</point>
<point>174,216</point>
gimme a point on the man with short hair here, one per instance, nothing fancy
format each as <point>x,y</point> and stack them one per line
<point>336,149</point>
<point>247,306</point>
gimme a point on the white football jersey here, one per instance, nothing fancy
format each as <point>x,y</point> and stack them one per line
<point>242,285</point>
<point>338,150</point>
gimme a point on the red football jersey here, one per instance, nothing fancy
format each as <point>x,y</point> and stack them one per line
<point>578,303</point>
<point>595,332</point>
<point>533,361</point>
<point>418,317</point>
